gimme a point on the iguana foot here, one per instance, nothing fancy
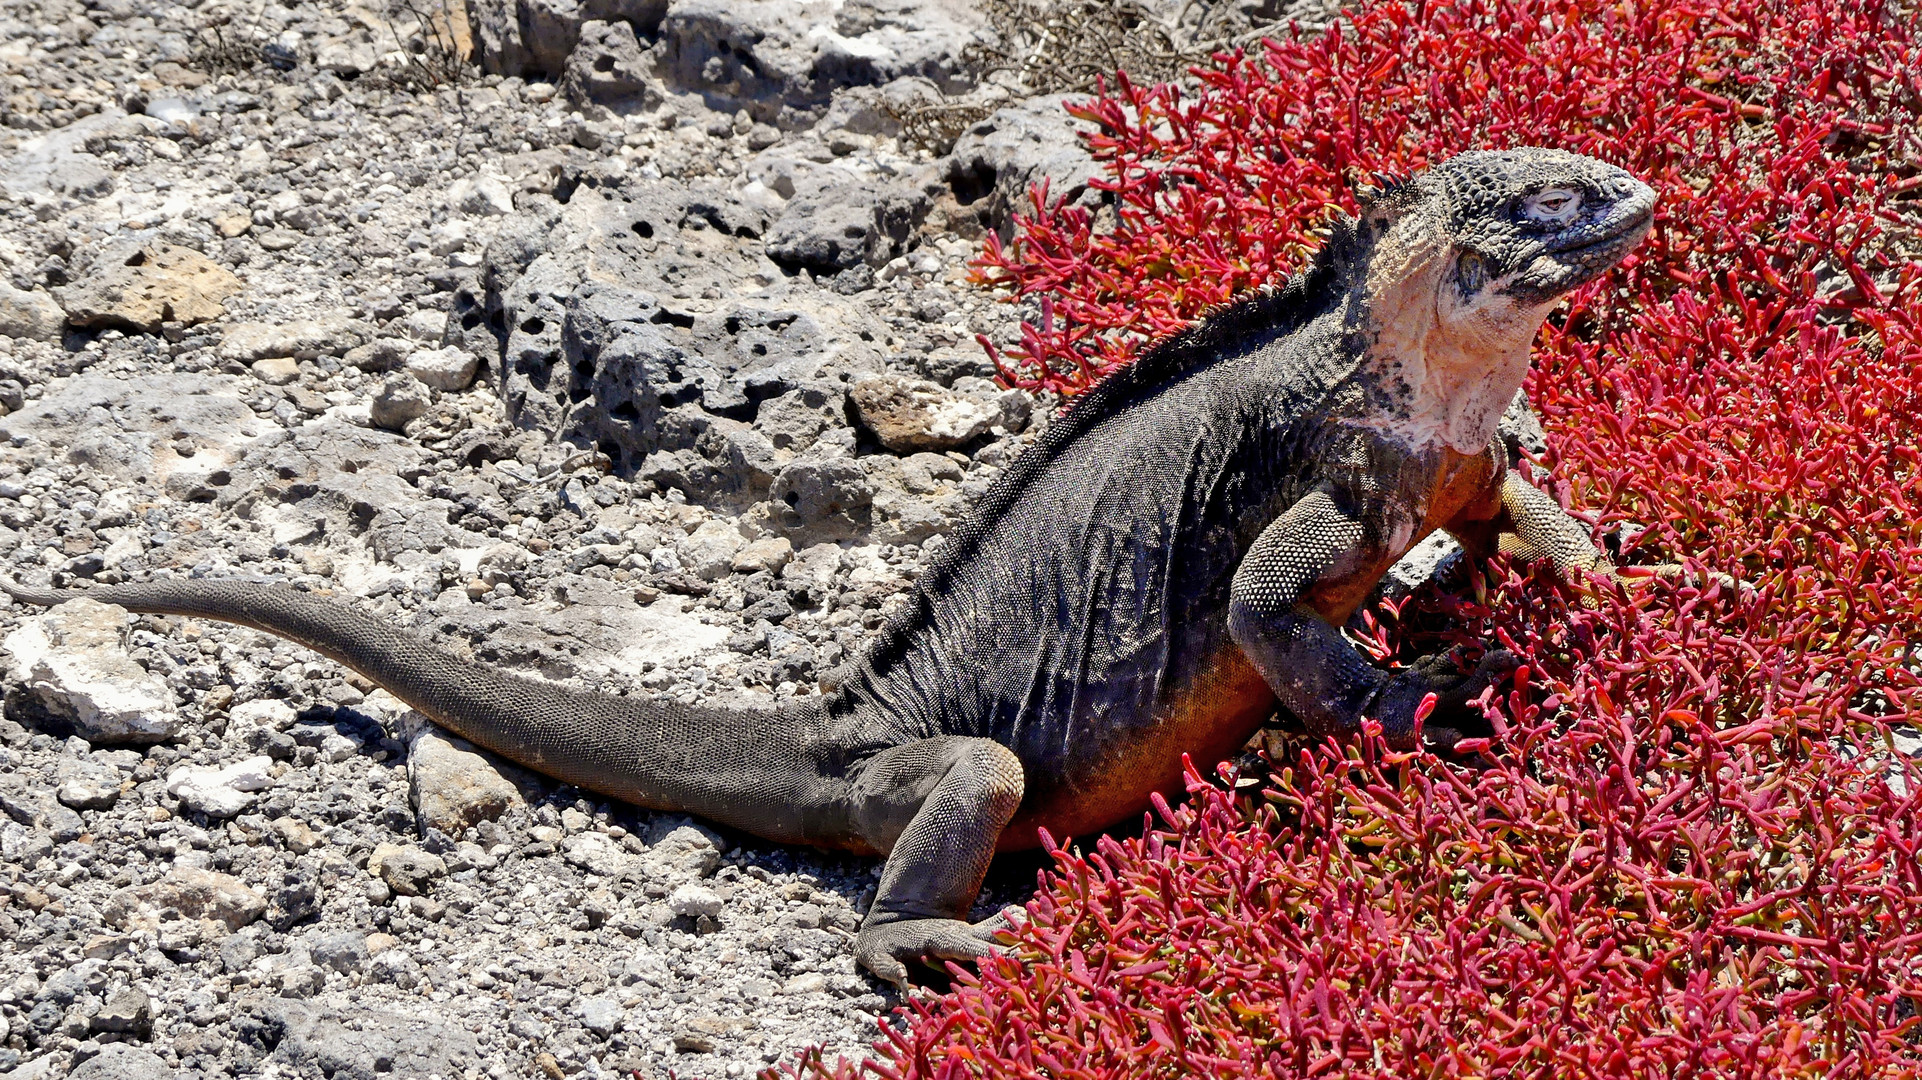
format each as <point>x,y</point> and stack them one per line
<point>1454,689</point>
<point>886,949</point>
<point>1631,576</point>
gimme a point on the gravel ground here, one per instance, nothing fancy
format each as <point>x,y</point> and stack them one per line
<point>644,362</point>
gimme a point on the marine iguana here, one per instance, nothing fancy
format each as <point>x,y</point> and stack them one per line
<point>1162,568</point>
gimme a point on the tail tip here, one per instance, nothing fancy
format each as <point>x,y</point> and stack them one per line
<point>40,597</point>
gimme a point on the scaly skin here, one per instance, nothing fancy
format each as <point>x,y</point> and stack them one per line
<point>1167,564</point>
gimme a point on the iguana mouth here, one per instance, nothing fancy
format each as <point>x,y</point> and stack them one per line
<point>1627,234</point>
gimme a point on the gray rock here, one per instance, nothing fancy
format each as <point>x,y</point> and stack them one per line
<point>345,951</point>
<point>221,792</point>
<point>688,850</point>
<point>299,980</point>
<point>768,554</point>
<point>276,370</point>
<point>708,552</point>
<point>608,64</point>
<point>401,398</point>
<point>1434,555</point>
<point>428,325</point>
<point>65,986</point>
<point>825,486</point>
<point>782,60</point>
<point>606,374</point>
<point>902,518</point>
<point>23,803</point>
<point>409,871</point>
<point>1002,157</point>
<point>192,893</point>
<point>34,316</point>
<point>122,1061</point>
<point>42,164</point>
<point>127,1012</point>
<point>842,225</point>
<point>183,432</point>
<point>484,195</point>
<point>335,478</point>
<point>793,420</point>
<point>295,900</point>
<point>534,37</point>
<point>21,845</point>
<point>97,789</point>
<point>597,853</point>
<point>346,56</point>
<point>449,368</point>
<point>1008,410</point>
<point>812,982</point>
<point>82,176</point>
<point>695,901</point>
<point>454,786</point>
<point>72,661</point>
<point>395,966</point>
<point>298,339</point>
<point>381,354</point>
<point>600,1015</point>
<point>362,1044</point>
<point>239,951</point>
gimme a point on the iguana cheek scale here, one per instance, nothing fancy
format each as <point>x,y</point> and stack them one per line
<point>1167,565</point>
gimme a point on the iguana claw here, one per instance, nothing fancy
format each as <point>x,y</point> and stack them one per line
<point>1454,690</point>
<point>886,949</point>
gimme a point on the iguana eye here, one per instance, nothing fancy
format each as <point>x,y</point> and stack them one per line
<point>1554,205</point>
<point>1471,273</point>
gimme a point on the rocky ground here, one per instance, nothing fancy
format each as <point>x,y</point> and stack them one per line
<point>642,359</point>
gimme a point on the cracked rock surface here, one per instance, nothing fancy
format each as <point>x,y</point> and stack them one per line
<point>639,354</point>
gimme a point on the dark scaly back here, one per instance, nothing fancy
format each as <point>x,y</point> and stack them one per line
<point>1268,310</point>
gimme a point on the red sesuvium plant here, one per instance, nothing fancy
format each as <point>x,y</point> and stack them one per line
<point>1689,849</point>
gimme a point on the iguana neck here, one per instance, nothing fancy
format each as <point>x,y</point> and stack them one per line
<point>1446,384</point>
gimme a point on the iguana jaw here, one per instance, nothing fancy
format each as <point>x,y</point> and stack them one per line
<point>1449,363</point>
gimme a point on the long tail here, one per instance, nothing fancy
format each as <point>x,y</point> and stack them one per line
<point>752,770</point>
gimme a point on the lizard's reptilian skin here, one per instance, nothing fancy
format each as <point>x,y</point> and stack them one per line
<point>1169,561</point>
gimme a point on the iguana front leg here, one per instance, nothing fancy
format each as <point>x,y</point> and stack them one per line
<point>1321,548</point>
<point>1529,525</point>
<point>937,808</point>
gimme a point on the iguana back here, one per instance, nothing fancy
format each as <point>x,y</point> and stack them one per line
<point>1086,601</point>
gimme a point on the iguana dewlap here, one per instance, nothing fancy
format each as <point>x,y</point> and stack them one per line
<point>1167,563</point>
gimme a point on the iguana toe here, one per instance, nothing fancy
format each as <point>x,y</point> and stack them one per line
<point>886,949</point>
<point>1454,716</point>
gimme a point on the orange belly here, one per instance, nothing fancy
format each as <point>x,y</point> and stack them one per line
<point>1209,720</point>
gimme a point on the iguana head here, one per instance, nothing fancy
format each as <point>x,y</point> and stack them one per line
<point>1465,261</point>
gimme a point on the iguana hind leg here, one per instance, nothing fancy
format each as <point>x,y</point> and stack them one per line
<point>937,808</point>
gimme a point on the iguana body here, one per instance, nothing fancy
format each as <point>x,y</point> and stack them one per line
<point>1168,562</point>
